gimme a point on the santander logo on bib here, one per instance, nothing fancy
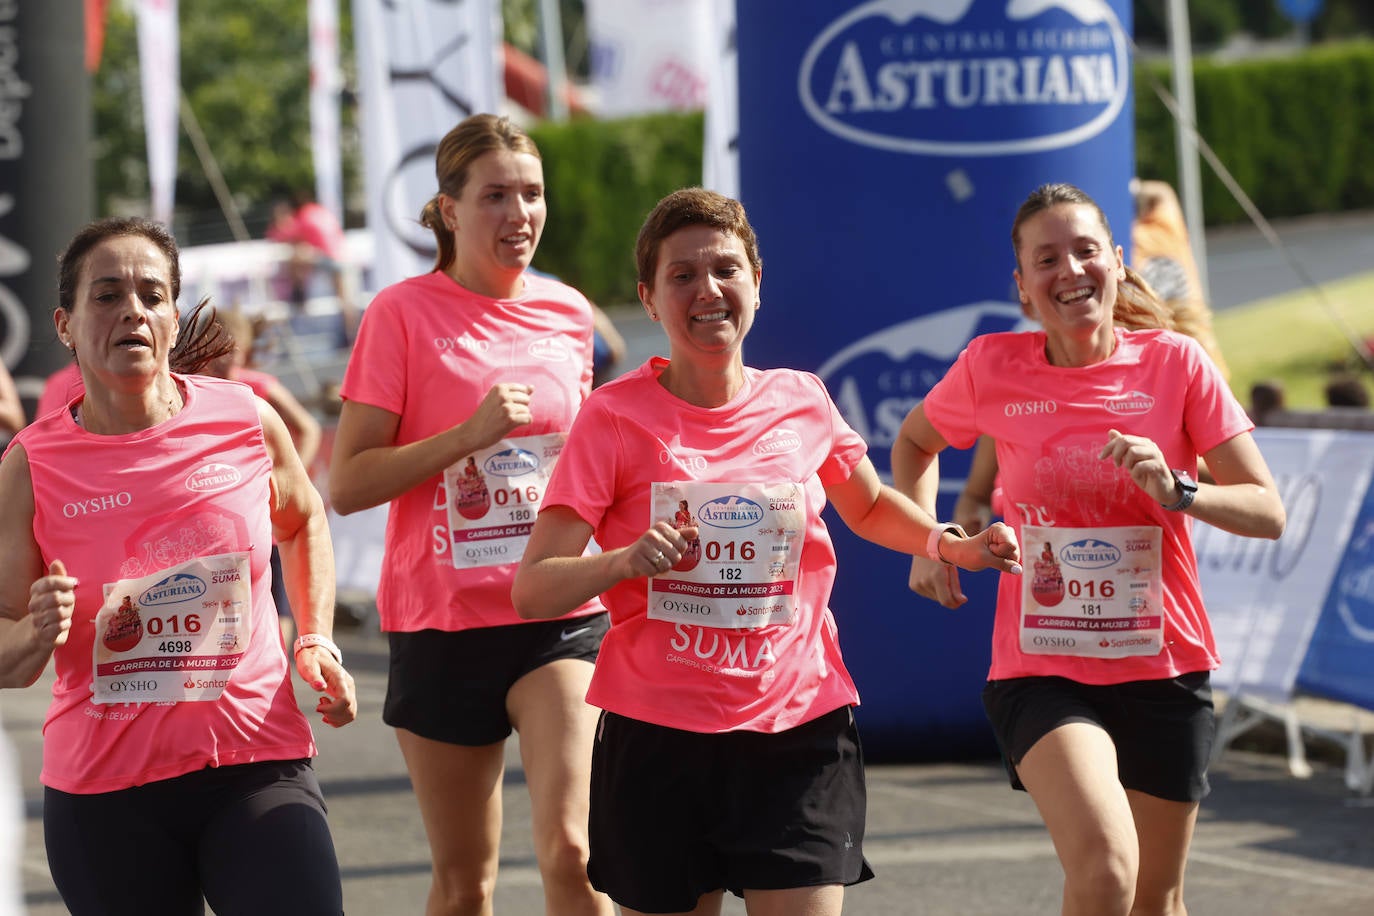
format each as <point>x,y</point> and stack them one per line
<point>1024,76</point>
<point>212,478</point>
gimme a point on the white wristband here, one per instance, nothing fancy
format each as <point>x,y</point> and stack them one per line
<point>306,640</point>
<point>933,544</point>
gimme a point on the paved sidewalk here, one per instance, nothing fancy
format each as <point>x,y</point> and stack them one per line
<point>944,838</point>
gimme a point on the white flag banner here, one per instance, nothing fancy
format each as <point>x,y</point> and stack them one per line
<point>159,66</point>
<point>649,55</point>
<point>720,161</point>
<point>326,81</point>
<point>423,66</point>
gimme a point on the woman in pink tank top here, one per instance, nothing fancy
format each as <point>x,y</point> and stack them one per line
<point>133,552</point>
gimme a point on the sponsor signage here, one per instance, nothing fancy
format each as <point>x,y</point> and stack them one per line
<point>884,148</point>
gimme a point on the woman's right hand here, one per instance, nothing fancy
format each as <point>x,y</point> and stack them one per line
<point>656,551</point>
<point>52,599</point>
<point>937,581</point>
<point>505,407</point>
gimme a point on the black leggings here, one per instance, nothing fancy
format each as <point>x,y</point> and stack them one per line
<point>250,840</point>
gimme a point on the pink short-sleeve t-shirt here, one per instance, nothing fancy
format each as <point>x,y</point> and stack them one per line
<point>632,434</point>
<point>193,486</point>
<point>1050,423</point>
<point>429,350</point>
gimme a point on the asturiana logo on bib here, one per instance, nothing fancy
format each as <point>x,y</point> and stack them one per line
<point>212,478</point>
<point>778,441</point>
<point>549,349</point>
<point>513,462</point>
<point>730,512</point>
<point>173,590</point>
<point>1090,553</point>
<point>1131,402</point>
<point>968,77</point>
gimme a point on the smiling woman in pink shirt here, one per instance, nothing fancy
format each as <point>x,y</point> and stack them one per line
<point>726,756</point>
<point>1099,690</point>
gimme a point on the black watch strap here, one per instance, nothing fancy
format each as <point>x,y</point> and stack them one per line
<point>1187,490</point>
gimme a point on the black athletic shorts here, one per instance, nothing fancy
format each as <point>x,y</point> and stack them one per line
<point>678,814</point>
<point>250,839</point>
<point>452,687</point>
<point>1163,729</point>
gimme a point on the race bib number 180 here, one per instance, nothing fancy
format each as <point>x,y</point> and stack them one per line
<point>493,496</point>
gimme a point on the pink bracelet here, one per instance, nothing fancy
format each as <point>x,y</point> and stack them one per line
<point>933,544</point>
<point>306,640</point>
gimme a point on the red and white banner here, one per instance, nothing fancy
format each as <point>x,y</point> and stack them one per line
<point>650,55</point>
<point>326,81</point>
<point>423,66</point>
<point>159,65</point>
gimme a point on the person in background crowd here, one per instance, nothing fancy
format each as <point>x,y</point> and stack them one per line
<point>302,426</point>
<point>59,390</point>
<point>1345,389</point>
<point>168,784</point>
<point>727,755</point>
<point>608,347</point>
<point>1099,690</point>
<point>1266,397</point>
<point>317,244</point>
<point>483,364</point>
<point>1160,251</point>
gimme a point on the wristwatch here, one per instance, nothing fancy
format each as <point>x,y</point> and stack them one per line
<point>1187,489</point>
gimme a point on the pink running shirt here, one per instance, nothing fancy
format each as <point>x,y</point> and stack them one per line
<point>632,433</point>
<point>1050,423</point>
<point>428,350</point>
<point>260,382</point>
<point>118,507</point>
<point>61,388</point>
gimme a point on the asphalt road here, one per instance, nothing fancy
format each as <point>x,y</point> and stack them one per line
<point>949,839</point>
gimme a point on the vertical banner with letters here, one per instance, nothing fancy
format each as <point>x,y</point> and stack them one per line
<point>884,149</point>
<point>46,177</point>
<point>423,66</point>
<point>326,82</point>
<point>159,67</point>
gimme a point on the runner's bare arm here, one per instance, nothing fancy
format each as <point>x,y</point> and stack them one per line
<point>367,467</point>
<point>301,531</point>
<point>554,577</point>
<point>35,604</point>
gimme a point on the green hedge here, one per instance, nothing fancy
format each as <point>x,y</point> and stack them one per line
<point>1296,132</point>
<point>603,178</point>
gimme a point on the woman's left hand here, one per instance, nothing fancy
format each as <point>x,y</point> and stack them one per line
<point>317,667</point>
<point>1143,460</point>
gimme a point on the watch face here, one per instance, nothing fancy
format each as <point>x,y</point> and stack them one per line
<point>1185,480</point>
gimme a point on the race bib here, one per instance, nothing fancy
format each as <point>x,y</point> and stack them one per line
<point>175,635</point>
<point>1092,592</point>
<point>741,571</point>
<point>493,496</point>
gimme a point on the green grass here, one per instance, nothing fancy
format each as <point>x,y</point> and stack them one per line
<point>1295,338</point>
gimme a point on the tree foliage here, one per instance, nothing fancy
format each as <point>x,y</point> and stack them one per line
<point>245,72</point>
